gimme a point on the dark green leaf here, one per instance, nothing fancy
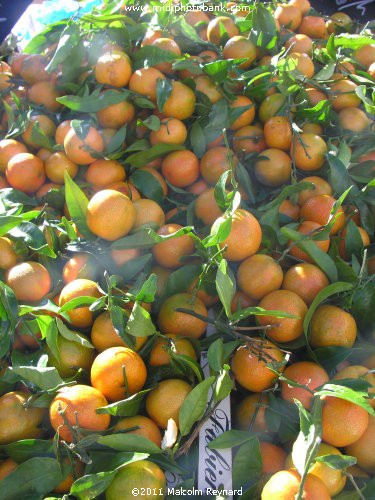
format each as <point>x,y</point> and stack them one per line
<point>230,439</point>
<point>94,102</point>
<point>247,464</point>
<point>77,202</point>
<point>25,449</point>
<point>342,392</point>
<point>194,406</point>
<point>45,378</point>
<point>163,92</point>
<point>140,323</point>
<point>129,442</point>
<point>126,407</point>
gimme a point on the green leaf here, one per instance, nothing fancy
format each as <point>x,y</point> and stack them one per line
<point>353,42</point>
<point>70,37</point>
<point>342,392</point>
<point>194,406</point>
<point>150,56</point>
<point>148,185</point>
<point>141,158</point>
<point>181,279</point>
<point>76,303</point>
<point>363,307</point>
<point>129,442</point>
<point>339,177</point>
<point>140,323</point>
<point>230,439</point>
<point>77,202</point>
<point>33,237</point>
<point>197,139</point>
<point>45,378</point>
<point>163,92</point>
<point>32,479</point>
<point>92,485</point>
<point>224,385</point>
<point>126,407</point>
<point>225,285</point>
<point>148,289</point>
<point>337,462</point>
<point>94,102</point>
<point>25,449</point>
<point>215,355</point>
<point>247,464</point>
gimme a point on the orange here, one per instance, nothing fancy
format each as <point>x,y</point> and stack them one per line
<point>102,173</point>
<point>303,5</point>
<point>306,280</point>
<point>143,81</point>
<point>137,475</point>
<point>273,167</point>
<point>46,125</point>
<point>273,457</point>
<point>244,238</point>
<point>247,116</point>
<point>249,365</point>
<point>7,466</point>
<point>320,186</point>
<point>31,67</point>
<point>171,131</point>
<point>8,257</point>
<point>278,133</point>
<point>288,15</point>
<point>181,102</point>
<point>215,162</point>
<point>313,26</point>
<point>220,27</point>
<point>289,210</point>
<point>116,115</point>
<point>314,96</point>
<point>104,336</point>
<point>30,281</point>
<point>206,207</point>
<point>164,402</point>
<point>121,257</point>
<point>77,149</point>
<point>332,326</point>
<point>44,94</point>
<point>118,372</point>
<point>343,422</point>
<point>57,164</point>
<point>259,275</point>
<point>44,154</point>
<point>194,17</point>
<point>299,43</point>
<point>160,352</point>
<point>8,149</point>
<point>308,151</point>
<point>150,35</point>
<point>251,411</point>
<point>249,139</point>
<point>113,68</point>
<point>338,19</point>
<point>318,209</point>
<point>72,356</point>
<point>364,237</point>
<point>170,252</point>
<point>169,45</point>
<point>61,131</point>
<point>208,87</point>
<point>110,214</point>
<point>313,128</point>
<point>302,63</point>
<point>305,373</point>
<point>180,323</point>
<point>344,95</point>
<point>146,428</point>
<point>271,106</point>
<point>148,213</point>
<point>284,329</point>
<point>25,172</point>
<point>80,317</point>
<point>80,265</point>
<point>180,168</point>
<point>353,119</point>
<point>79,404</point>
<point>363,448</point>
<point>284,485</point>
<point>241,301</point>
<point>240,47</point>
<point>358,372</point>
<point>18,421</point>
<point>71,471</point>
<point>158,177</point>
<point>365,55</point>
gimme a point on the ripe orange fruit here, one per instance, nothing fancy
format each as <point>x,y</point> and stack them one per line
<point>118,372</point>
<point>247,116</point>
<point>30,281</point>
<point>358,372</point>
<point>18,421</point>
<point>364,237</point>
<point>344,95</point>
<point>278,133</point>
<point>303,5</point>
<point>102,173</point>
<point>171,46</point>
<point>25,172</point>
<point>31,67</point>
<point>215,162</point>
<point>116,115</point>
<point>308,151</point>
<point>72,356</point>
<point>305,373</point>
<point>299,43</point>
<point>77,149</point>
<point>363,448</point>
<point>288,15</point>
<point>182,324</point>
<point>271,106</point>
<point>259,275</point>
<point>171,131</point>
<point>220,26</point>
<point>302,63</point>
<point>181,102</point>
<point>314,96</point>
<point>194,17</point>
<point>306,280</point>
<point>80,317</point>
<point>46,125</point>
<point>7,466</point>
<point>164,402</point>
<point>79,404</point>
<point>143,81</point>
<point>289,210</point>
<point>273,167</point>
<point>56,165</point>
<point>113,68</point>
<point>313,26</point>
<point>158,177</point>
<point>206,207</point>
<point>365,55</point>
<point>180,168</point>
<point>8,149</point>
<point>249,365</point>
<point>284,485</point>
<point>8,257</point>
<point>353,119</point>
<point>160,354</point>
<point>169,253</point>
<point>285,329</point>
<point>148,213</point>
<point>147,428</point>
<point>309,228</point>
<point>343,422</point>
<point>240,47</point>
<point>251,411</point>
<point>44,93</point>
<point>249,139</point>
<point>110,214</point>
<point>80,265</point>
<point>320,186</point>
<point>137,475</point>
<point>61,131</point>
<point>273,457</point>
<point>332,326</point>
<point>244,238</point>
<point>104,336</point>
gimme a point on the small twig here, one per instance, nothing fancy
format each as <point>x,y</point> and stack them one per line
<point>355,485</point>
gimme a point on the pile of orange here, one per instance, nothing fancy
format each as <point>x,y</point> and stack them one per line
<point>212,168</point>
